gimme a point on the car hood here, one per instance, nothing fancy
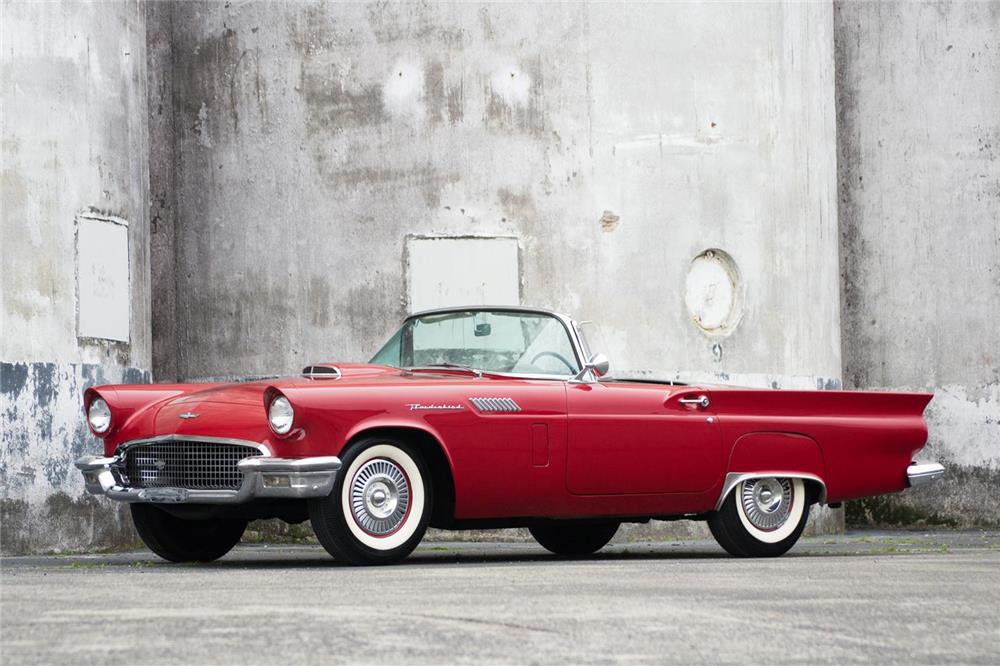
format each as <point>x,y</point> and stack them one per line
<point>252,392</point>
<point>242,403</point>
<point>213,409</point>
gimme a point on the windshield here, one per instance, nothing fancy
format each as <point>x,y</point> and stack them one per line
<point>527,343</point>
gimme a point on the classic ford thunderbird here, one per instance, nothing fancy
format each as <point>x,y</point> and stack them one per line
<point>489,417</point>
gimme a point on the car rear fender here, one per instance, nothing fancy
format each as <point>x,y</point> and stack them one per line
<point>866,439</point>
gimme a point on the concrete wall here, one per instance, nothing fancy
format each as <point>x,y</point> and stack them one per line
<point>308,142</point>
<point>291,150</point>
<point>295,147</point>
<point>919,139</point>
<point>74,146</point>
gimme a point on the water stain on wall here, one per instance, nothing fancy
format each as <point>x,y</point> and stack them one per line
<point>434,91</point>
<point>390,23</point>
<point>517,204</point>
<point>336,99</point>
<point>423,177</point>
<point>514,98</point>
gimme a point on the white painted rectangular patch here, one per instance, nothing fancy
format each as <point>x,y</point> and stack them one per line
<point>103,283</point>
<point>445,272</point>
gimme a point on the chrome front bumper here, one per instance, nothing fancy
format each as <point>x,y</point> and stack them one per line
<point>263,478</point>
<point>920,473</point>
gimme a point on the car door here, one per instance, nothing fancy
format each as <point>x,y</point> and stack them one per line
<point>635,438</point>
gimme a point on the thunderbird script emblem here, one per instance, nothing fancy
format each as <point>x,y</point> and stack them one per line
<point>189,415</point>
<point>416,406</point>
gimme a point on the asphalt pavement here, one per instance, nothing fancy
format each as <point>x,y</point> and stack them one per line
<point>874,597</point>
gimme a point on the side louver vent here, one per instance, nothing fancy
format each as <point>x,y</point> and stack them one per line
<point>321,372</point>
<point>495,404</point>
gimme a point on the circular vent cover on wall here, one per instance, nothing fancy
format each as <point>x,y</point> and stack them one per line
<point>713,292</point>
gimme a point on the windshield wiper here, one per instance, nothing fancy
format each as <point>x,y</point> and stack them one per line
<point>448,366</point>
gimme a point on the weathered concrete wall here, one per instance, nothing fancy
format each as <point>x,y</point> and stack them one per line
<point>305,142</point>
<point>308,142</point>
<point>74,143</point>
<point>919,139</point>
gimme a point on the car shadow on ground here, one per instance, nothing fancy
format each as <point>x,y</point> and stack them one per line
<point>435,559</point>
<point>258,556</point>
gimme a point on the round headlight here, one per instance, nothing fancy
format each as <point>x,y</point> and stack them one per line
<point>99,415</point>
<point>280,415</point>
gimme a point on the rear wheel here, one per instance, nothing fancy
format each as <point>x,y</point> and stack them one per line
<point>569,538</point>
<point>761,517</point>
<point>183,540</point>
<point>378,510</point>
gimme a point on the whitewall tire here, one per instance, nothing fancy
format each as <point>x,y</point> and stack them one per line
<point>761,517</point>
<point>380,504</point>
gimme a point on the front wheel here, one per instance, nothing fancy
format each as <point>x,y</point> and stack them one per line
<point>761,517</point>
<point>378,510</point>
<point>183,540</point>
<point>569,538</point>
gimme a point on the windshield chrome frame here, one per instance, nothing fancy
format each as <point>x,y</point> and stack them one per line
<point>569,325</point>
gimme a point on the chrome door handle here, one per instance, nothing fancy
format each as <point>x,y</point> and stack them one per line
<point>701,401</point>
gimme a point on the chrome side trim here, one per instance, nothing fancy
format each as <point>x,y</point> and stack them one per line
<point>734,478</point>
<point>495,404</point>
<point>920,473</point>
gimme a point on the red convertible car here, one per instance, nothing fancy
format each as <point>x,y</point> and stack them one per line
<point>489,417</point>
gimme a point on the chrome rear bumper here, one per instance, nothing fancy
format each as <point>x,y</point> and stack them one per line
<point>263,477</point>
<point>920,473</point>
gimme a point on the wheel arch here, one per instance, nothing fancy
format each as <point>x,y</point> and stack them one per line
<point>436,457</point>
<point>779,454</point>
<point>815,486</point>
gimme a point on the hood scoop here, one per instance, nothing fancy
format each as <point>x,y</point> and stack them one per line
<point>321,372</point>
<point>325,371</point>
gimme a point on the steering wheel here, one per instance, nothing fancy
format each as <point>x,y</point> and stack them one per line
<point>554,354</point>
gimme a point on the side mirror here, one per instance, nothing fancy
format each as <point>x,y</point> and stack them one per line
<point>596,367</point>
<point>599,364</point>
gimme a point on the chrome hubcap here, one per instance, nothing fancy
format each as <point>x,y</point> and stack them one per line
<point>767,502</point>
<point>380,497</point>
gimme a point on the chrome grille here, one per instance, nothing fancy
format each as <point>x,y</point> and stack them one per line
<point>185,464</point>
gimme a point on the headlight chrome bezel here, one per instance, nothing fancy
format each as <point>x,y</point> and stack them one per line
<point>99,416</point>
<point>280,415</point>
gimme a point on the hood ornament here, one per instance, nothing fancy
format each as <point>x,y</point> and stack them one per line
<point>189,415</point>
